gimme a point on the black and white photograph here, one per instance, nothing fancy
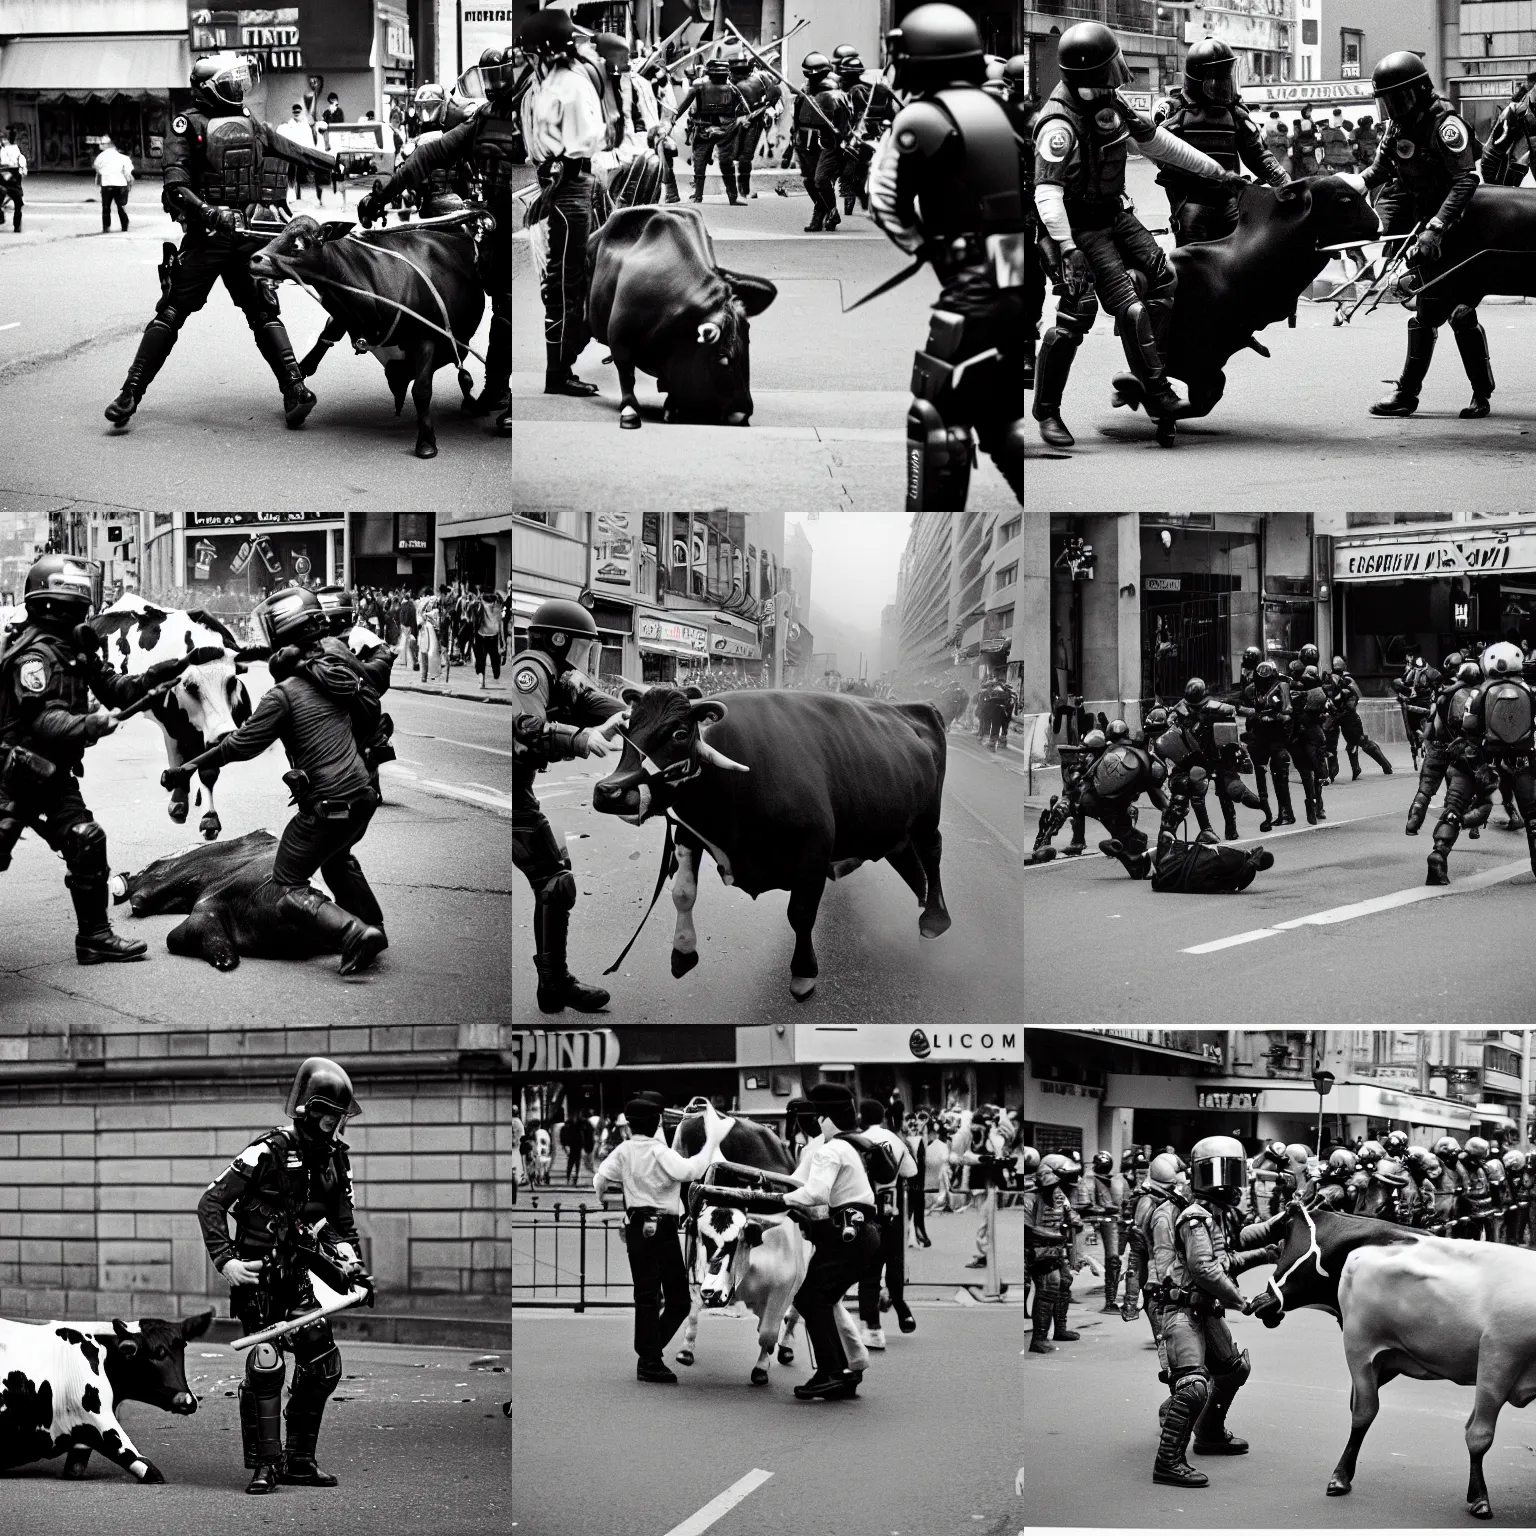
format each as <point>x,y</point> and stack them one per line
<point>783,1266</point>
<point>1282,1274</point>
<point>769,254</point>
<point>1284,255</point>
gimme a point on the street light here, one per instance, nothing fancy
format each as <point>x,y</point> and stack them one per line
<point>1323,1082</point>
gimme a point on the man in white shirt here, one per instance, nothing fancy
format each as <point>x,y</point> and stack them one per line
<point>892,1220</point>
<point>301,131</point>
<point>114,175</point>
<point>652,1175</point>
<point>13,168</point>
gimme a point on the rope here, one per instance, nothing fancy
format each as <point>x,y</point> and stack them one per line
<point>431,288</point>
<point>368,293</point>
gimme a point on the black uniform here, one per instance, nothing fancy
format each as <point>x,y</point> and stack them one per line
<point>1500,165</point>
<point>1196,726</point>
<point>47,679</point>
<point>218,168</point>
<point>1267,707</point>
<point>1309,745</point>
<point>1346,723</point>
<point>1198,210</point>
<point>821,120</point>
<point>1304,147</point>
<point>762,93</point>
<point>1442,725</point>
<point>718,110</point>
<point>872,108</point>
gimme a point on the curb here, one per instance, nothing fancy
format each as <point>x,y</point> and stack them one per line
<point>477,695</point>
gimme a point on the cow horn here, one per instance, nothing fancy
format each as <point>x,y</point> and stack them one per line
<point>719,759</point>
<point>709,334</point>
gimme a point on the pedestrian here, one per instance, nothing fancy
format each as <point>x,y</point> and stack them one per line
<point>429,631</point>
<point>1304,146</point>
<point>1338,152</point>
<point>1277,139</point>
<point>299,130</point>
<point>318,707</point>
<point>651,1176</point>
<point>13,171</point>
<point>519,1137</point>
<point>333,114</point>
<point>1365,140</point>
<point>570,1142</point>
<point>916,1138</point>
<point>891,1218</point>
<point>405,615</point>
<point>487,638</point>
<point>276,1188</point>
<point>114,175</point>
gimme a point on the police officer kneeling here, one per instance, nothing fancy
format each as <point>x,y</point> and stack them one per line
<point>48,673</point>
<point>319,706</point>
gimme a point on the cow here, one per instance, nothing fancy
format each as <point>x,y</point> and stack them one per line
<point>61,1383</point>
<point>208,702</point>
<point>661,303</point>
<point>232,905</point>
<point>379,286</point>
<point>1231,288</point>
<point>793,789</point>
<point>1412,1304</point>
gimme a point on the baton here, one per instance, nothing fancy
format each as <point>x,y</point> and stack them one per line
<point>149,698</point>
<point>793,90</point>
<point>278,1330</point>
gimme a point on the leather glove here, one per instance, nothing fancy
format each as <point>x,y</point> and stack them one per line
<point>98,724</point>
<point>589,744</point>
<point>1076,272</point>
<point>1233,181</point>
<point>1428,247</point>
<point>370,209</point>
<point>223,221</point>
<point>85,639</point>
<point>176,778</point>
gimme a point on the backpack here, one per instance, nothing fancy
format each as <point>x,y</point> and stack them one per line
<point>1509,715</point>
<point>880,1161</point>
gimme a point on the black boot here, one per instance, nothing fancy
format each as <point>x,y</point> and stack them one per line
<point>1472,343</point>
<point>744,179</point>
<point>558,989</point>
<point>1041,1317</point>
<point>334,928</point>
<point>1376,755</point>
<point>1287,816</point>
<point>1162,400</point>
<point>273,344</point>
<point>818,220</point>
<point>728,176</point>
<point>95,942</point>
<point>1268,824</point>
<point>1051,374</point>
<point>1111,1281</point>
<point>495,393</point>
<point>154,347</point>
<point>1404,399</point>
<point>1064,1335</point>
<point>698,190</point>
<point>303,1431</point>
<point>560,378</point>
<point>1184,1407</point>
<point>1530,843</point>
<point>1438,871</point>
<point>1212,1437</point>
<point>265,1478</point>
<point>1228,822</point>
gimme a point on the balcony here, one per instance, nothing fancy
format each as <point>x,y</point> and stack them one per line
<point>1122,15</point>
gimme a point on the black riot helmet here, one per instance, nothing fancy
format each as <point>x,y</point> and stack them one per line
<point>1095,741</point>
<point>742,65</point>
<point>1469,672</point>
<point>1402,85</point>
<point>566,632</point>
<point>1157,719</point>
<point>293,616</point>
<point>1209,72</point>
<point>1266,672</point>
<point>717,69</point>
<point>340,609</point>
<point>62,590</point>
<point>1310,656</point>
<point>1252,656</point>
<point>850,67</point>
<point>1338,664</point>
<point>1396,1144</point>
<point>814,65</point>
<point>844,51</point>
<point>1311,676</point>
<point>1218,1168</point>
<point>548,34</point>
<point>1451,663</point>
<point>219,83</point>
<point>1195,691</point>
<point>1103,1164</point>
<point>321,1100</point>
<point>1118,730</point>
<point>1013,77</point>
<point>613,50</point>
<point>935,46</point>
<point>1090,60</point>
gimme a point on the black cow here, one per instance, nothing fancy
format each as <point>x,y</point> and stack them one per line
<point>1230,288</point>
<point>792,789</point>
<point>661,303</point>
<point>368,279</point>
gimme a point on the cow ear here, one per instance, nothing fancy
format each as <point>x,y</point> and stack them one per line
<point>707,711</point>
<point>336,229</point>
<point>753,1234</point>
<point>755,293</point>
<point>196,1327</point>
<point>694,691</point>
<point>632,695</point>
<point>1294,197</point>
<point>127,1343</point>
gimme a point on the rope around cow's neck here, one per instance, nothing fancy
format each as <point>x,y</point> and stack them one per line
<point>384,250</point>
<point>1314,1252</point>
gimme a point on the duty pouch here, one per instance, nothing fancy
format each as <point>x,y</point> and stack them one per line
<point>170,259</point>
<point>851,1222</point>
<point>298,784</point>
<point>1226,733</point>
<point>930,376</point>
<point>331,810</point>
<point>25,772</point>
<point>1005,252</point>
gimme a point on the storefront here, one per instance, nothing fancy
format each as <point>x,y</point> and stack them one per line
<point>734,650</point>
<point>227,562</point>
<point>1289,1113</point>
<point>1288,97</point>
<point>670,651</point>
<point>475,550</point>
<point>392,549</point>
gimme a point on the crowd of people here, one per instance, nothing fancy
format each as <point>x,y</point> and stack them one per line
<point>456,626</point>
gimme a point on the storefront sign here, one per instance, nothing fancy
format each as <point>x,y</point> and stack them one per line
<point>615,544</point>
<point>563,1050</point>
<point>255,562</point>
<point>1489,87</point>
<point>894,1042</point>
<point>1069,1090</point>
<point>659,634</point>
<point>1296,93</point>
<point>243,519</point>
<point>1227,1098</point>
<point>1461,554</point>
<point>413,531</point>
<point>729,645</point>
<point>268,37</point>
<point>482,27</point>
<point>1163,583</point>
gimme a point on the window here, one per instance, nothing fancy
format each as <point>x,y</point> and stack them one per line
<point>1306,67</point>
<point>546,518</point>
<point>1309,32</point>
<point>1006,577</point>
<point>1002,621</point>
<point>1351,48</point>
<point>1010,530</point>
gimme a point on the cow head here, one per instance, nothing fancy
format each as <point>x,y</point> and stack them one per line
<point>292,253</point>
<point>146,1361</point>
<point>664,750</point>
<point>707,368</point>
<point>728,1237</point>
<point>1326,208</point>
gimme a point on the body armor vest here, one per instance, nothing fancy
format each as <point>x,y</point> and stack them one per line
<point>715,103</point>
<point>1415,153</point>
<point>493,152</point>
<point>808,119</point>
<point>753,88</point>
<point>232,162</point>
<point>1121,770</point>
<point>1212,130</point>
<point>1096,176</point>
<point>971,184</point>
<point>1507,717</point>
<point>66,680</point>
<point>1476,1189</point>
<point>438,181</point>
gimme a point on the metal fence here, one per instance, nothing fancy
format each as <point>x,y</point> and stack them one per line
<point>564,1257</point>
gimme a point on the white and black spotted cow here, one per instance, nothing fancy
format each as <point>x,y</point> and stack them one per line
<point>208,702</point>
<point>61,1383</point>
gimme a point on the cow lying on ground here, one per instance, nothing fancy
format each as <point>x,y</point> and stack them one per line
<point>792,790</point>
<point>61,1383</point>
<point>207,704</point>
<point>662,305</point>
<point>361,276</point>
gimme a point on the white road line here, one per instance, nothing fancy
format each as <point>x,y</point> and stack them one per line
<point>489,789</point>
<point>428,702</point>
<point>11,327</point>
<point>1495,876</point>
<point>396,771</point>
<point>497,802</point>
<point>987,824</point>
<point>475,746</point>
<point>721,1504</point>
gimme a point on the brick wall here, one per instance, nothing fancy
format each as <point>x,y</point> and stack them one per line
<point>99,1183</point>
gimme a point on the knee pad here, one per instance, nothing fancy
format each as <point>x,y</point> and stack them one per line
<point>264,1370</point>
<point>84,847</point>
<point>1464,318</point>
<point>171,315</point>
<point>1237,1372</point>
<point>264,308</point>
<point>560,889</point>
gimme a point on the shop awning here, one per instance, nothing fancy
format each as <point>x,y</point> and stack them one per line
<point>95,66</point>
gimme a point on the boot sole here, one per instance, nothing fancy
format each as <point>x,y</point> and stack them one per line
<point>367,952</point>
<point>87,958</point>
<point>1180,1482</point>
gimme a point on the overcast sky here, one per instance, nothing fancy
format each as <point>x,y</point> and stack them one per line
<point>857,555</point>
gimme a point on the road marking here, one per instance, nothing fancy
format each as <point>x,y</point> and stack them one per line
<point>489,789</point>
<point>397,771</point>
<point>448,709</point>
<point>474,746</point>
<point>11,327</point>
<point>497,802</point>
<point>721,1504</point>
<point>987,824</point>
<point>1495,876</point>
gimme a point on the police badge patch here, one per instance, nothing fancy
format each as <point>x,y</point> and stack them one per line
<point>527,680</point>
<point>179,125</point>
<point>1453,134</point>
<point>34,675</point>
<point>1055,143</point>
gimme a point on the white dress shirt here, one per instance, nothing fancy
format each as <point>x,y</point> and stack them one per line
<point>834,1175</point>
<point>885,1135</point>
<point>113,168</point>
<point>562,116</point>
<point>651,1173</point>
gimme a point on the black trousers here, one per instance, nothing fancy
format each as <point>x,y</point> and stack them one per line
<point>565,278</point>
<point>310,845</point>
<point>488,649</point>
<point>661,1282</point>
<point>109,196</point>
<point>835,1265</point>
<point>818,172</point>
<point>916,1197</point>
<point>204,260</point>
<point>891,1260</point>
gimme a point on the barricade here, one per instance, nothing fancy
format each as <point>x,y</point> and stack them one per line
<point>563,1257</point>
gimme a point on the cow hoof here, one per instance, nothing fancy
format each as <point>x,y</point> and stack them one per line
<point>786,1355</point>
<point>1042,856</point>
<point>1337,1486</point>
<point>210,826</point>
<point>177,811</point>
<point>1482,1510</point>
<point>931,925</point>
<point>153,1474</point>
<point>75,1463</point>
<point>629,419</point>
<point>684,1357</point>
<point>426,450</point>
<point>802,987</point>
<point>738,419</point>
<point>759,1376</point>
<point>683,963</point>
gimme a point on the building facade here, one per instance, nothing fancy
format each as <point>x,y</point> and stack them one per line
<point>1153,46</point>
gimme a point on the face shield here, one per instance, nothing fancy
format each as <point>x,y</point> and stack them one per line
<point>585,655</point>
<point>230,83</point>
<point>1114,74</point>
<point>1220,89</point>
<point>78,579</point>
<point>1402,103</point>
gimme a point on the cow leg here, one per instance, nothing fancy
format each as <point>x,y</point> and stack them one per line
<point>177,809</point>
<point>76,1461</point>
<point>929,844</point>
<point>629,407</point>
<point>210,825</point>
<point>684,1356</point>
<point>786,1348</point>
<point>333,332</point>
<point>203,936</point>
<point>1492,1393</point>
<point>101,1432</point>
<point>421,398</point>
<point>397,374</point>
<point>685,891</point>
<point>804,900</point>
<point>1364,1401</point>
<point>905,862</point>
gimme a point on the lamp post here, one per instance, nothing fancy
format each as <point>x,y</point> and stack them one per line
<point>1323,1082</point>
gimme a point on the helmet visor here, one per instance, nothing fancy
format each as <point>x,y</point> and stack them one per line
<point>77,580</point>
<point>1211,1173</point>
<point>1219,87</point>
<point>586,655</point>
<point>229,83</point>
<point>1403,103</point>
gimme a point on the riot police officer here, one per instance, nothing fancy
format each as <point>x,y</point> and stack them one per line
<point>1308,745</point>
<point>1208,113</point>
<point>1049,1223</point>
<point>1447,702</point>
<point>1446,1181</point>
<point>1517,1199</point>
<point>555,712</point>
<point>946,186</point>
<point>321,705</point>
<point>223,170</point>
<point>1083,136</point>
<point>1426,166</point>
<point>1386,1193</point>
<point>1475,1196</point>
<point>719,110</point>
<point>872,109</point>
<point>487,142</point>
<point>1266,702</point>
<point>1197,715</point>
<point>1152,1247</point>
<point>277,1189</point>
<point>1106,1196</point>
<point>447,186</point>
<point>1347,723</point>
<point>818,125</point>
<point>49,670</point>
<point>1335,1189</point>
<point>1210,1245</point>
<point>762,94</point>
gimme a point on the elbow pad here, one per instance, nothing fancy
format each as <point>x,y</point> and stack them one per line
<point>1051,204</point>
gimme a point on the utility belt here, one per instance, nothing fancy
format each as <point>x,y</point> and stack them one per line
<point>324,807</point>
<point>23,772</point>
<point>547,168</point>
<point>1201,1303</point>
<point>649,1220</point>
<point>850,1220</point>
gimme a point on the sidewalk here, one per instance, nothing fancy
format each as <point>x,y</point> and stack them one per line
<point>462,683</point>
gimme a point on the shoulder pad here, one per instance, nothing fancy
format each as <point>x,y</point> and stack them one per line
<point>1055,138</point>
<point>1194,1212</point>
<point>1240,113</point>
<point>921,126</point>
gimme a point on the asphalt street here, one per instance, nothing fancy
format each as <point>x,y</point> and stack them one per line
<point>931,1447</point>
<point>1294,432</point>
<point>873,964</point>
<point>210,431</point>
<point>415,1436</point>
<point>830,390</point>
<point>435,854</point>
<point>1341,930</point>
<point>1090,1425</point>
